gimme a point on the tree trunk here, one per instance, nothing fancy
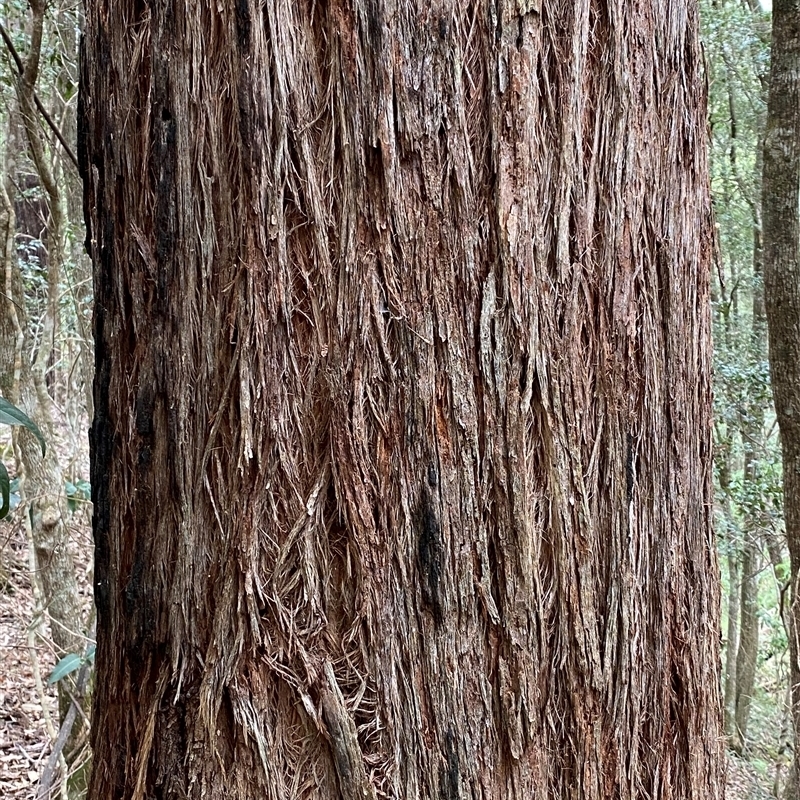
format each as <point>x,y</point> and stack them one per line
<point>782,290</point>
<point>401,450</point>
<point>752,432</point>
<point>732,649</point>
<point>747,654</point>
<point>732,549</point>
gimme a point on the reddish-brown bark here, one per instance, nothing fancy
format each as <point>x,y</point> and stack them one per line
<point>401,457</point>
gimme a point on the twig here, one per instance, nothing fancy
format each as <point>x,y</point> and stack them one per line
<point>46,781</point>
<point>42,110</point>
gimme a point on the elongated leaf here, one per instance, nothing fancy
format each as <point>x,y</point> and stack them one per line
<point>5,488</point>
<point>89,657</point>
<point>69,663</point>
<point>11,415</point>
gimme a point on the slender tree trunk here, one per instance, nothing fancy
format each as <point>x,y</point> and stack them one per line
<point>732,549</point>
<point>401,450</point>
<point>729,695</point>
<point>731,540</point>
<point>747,654</point>
<point>782,291</point>
<point>752,432</point>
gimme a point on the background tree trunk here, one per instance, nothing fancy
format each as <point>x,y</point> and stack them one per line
<point>752,433</point>
<point>401,450</point>
<point>747,653</point>
<point>732,649</point>
<point>782,292</point>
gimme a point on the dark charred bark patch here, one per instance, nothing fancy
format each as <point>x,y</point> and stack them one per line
<point>164,165</point>
<point>629,467</point>
<point>145,401</point>
<point>102,432</point>
<point>374,25</point>
<point>429,554</point>
<point>243,24</point>
<point>246,122</point>
<point>101,441</point>
<point>140,604</point>
<point>168,778</point>
<point>449,774</point>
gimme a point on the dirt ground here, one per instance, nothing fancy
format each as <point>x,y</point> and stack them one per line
<point>23,735</point>
<point>24,740</point>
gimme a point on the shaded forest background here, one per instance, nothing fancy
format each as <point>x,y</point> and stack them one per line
<point>46,619</point>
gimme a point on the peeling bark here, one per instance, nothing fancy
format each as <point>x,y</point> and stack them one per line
<point>401,450</point>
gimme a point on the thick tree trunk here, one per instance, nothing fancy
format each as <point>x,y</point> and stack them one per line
<point>782,291</point>
<point>401,454</point>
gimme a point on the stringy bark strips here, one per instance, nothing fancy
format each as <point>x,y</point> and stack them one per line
<point>401,459</point>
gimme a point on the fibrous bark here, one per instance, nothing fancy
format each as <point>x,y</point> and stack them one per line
<point>401,454</point>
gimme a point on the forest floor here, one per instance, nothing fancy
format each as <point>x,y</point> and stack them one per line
<point>23,733</point>
<point>24,650</point>
<point>24,738</point>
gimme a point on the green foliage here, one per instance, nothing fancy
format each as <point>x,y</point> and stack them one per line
<point>5,489</point>
<point>11,415</point>
<point>737,48</point>
<point>78,492</point>
<point>66,666</point>
<point>736,38</point>
<point>70,663</point>
<point>747,473</point>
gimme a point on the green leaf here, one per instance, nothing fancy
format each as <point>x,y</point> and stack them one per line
<point>89,657</point>
<point>77,492</point>
<point>5,488</point>
<point>11,415</point>
<point>68,664</point>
